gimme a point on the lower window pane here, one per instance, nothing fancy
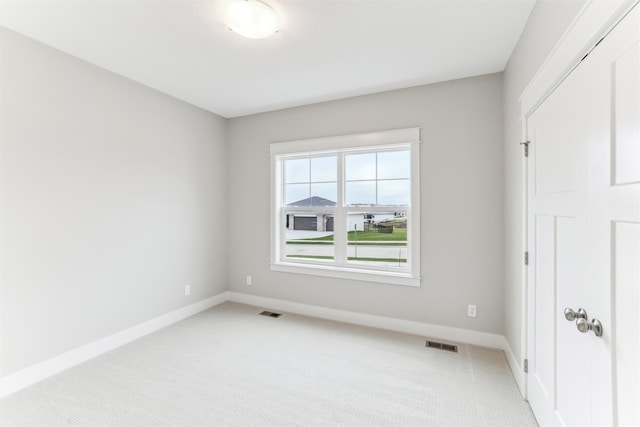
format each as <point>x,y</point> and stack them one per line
<point>309,236</point>
<point>377,239</point>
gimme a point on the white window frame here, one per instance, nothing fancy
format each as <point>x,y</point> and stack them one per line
<point>408,138</point>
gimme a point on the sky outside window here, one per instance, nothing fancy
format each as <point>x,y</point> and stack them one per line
<point>378,178</point>
<point>311,181</point>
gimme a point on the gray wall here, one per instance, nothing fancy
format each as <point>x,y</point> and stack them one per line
<point>549,19</point>
<point>462,233</point>
<point>112,200</point>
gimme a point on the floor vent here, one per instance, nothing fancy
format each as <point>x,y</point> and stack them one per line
<point>270,314</point>
<point>442,346</point>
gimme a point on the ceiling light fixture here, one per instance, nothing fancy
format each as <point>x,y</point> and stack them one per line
<point>251,18</point>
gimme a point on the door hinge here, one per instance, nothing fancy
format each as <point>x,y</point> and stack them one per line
<point>526,258</point>
<point>526,148</point>
<point>526,366</point>
<point>591,50</point>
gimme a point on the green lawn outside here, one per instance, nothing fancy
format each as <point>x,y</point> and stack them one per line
<point>398,235</point>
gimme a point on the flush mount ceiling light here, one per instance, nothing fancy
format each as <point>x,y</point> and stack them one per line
<point>251,18</point>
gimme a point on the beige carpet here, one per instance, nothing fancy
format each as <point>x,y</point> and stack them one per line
<point>228,366</point>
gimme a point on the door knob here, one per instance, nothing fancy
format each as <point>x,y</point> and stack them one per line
<point>571,315</point>
<point>585,326</point>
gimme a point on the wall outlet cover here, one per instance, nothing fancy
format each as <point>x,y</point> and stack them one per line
<point>471,310</point>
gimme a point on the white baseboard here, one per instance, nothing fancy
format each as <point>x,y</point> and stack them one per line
<point>516,367</point>
<point>446,333</point>
<point>33,374</point>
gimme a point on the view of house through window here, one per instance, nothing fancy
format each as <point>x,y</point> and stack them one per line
<point>374,195</point>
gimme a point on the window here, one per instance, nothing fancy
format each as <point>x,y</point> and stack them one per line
<point>348,207</point>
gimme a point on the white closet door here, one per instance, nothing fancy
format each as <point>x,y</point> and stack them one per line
<point>584,240</point>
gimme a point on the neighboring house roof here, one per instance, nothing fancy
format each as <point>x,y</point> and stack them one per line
<point>313,201</point>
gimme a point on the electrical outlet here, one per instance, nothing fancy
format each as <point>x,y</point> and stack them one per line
<point>187,290</point>
<point>471,310</point>
<point>249,281</point>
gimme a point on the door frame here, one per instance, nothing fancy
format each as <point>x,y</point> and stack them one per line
<point>593,22</point>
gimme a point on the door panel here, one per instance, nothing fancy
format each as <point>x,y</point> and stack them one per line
<point>558,218</point>
<point>614,215</point>
<point>626,117</point>
<point>544,367</point>
<point>554,149</point>
<point>626,289</point>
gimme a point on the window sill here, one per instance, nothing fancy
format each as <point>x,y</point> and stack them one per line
<point>386,277</point>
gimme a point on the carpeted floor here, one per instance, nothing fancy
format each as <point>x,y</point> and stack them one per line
<point>228,366</point>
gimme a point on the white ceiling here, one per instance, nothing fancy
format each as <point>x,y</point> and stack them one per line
<point>326,49</point>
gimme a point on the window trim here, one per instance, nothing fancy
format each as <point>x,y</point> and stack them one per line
<point>367,142</point>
